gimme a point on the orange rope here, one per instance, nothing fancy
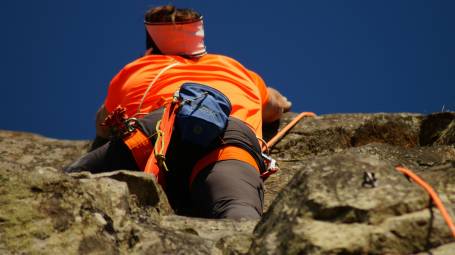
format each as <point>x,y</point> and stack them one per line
<point>291,124</point>
<point>432,194</point>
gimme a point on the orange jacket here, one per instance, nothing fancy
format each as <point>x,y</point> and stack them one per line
<point>244,88</point>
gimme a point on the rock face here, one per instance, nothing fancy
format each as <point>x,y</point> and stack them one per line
<point>323,201</point>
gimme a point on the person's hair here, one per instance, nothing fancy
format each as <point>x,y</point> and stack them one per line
<point>167,14</point>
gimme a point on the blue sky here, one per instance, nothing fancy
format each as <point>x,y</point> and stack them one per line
<point>326,56</point>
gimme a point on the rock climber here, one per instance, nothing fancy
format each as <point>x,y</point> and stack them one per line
<point>220,180</point>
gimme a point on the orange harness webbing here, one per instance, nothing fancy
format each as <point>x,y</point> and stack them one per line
<point>434,196</point>
<point>140,146</point>
<point>156,162</point>
<point>224,153</point>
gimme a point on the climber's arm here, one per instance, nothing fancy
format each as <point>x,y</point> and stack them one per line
<point>276,105</point>
<point>101,115</point>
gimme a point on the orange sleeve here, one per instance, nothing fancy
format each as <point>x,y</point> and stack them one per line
<point>261,85</point>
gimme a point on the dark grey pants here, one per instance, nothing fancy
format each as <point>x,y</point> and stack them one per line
<point>229,189</point>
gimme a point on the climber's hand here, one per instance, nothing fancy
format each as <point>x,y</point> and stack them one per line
<point>101,115</point>
<point>276,105</point>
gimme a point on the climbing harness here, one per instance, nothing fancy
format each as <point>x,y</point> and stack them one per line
<point>433,195</point>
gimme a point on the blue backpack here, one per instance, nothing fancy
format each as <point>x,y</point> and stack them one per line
<point>203,114</point>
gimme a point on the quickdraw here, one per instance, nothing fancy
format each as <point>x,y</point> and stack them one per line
<point>119,123</point>
<point>272,166</point>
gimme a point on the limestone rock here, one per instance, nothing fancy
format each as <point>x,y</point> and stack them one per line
<point>141,186</point>
<point>227,235</point>
<point>45,211</point>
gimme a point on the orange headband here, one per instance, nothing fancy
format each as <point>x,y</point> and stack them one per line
<point>181,38</point>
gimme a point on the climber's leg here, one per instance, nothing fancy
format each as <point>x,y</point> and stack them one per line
<point>228,189</point>
<point>113,155</point>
